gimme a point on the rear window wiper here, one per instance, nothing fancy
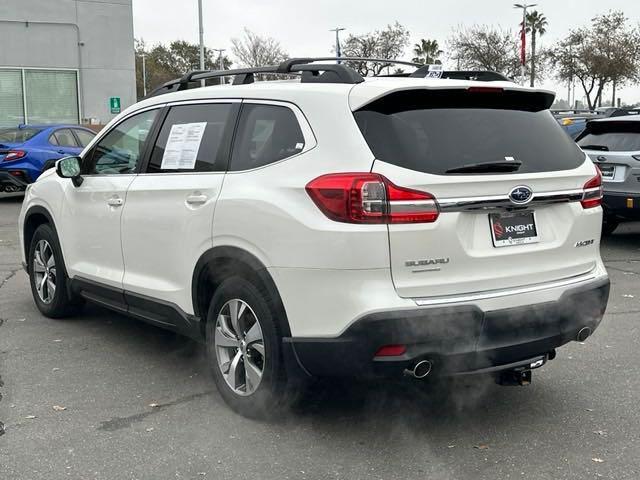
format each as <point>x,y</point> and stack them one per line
<point>488,167</point>
<point>602,148</point>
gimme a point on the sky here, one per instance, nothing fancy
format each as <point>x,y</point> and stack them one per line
<point>302,26</point>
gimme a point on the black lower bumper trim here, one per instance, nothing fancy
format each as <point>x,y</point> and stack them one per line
<point>455,339</point>
<point>625,205</point>
<point>13,182</point>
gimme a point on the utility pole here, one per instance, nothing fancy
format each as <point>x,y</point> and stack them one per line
<point>201,29</point>
<point>144,75</point>
<point>337,30</point>
<point>523,36</point>
<point>220,62</point>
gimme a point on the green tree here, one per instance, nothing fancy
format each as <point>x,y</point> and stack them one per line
<point>167,62</point>
<point>427,52</point>
<point>536,25</point>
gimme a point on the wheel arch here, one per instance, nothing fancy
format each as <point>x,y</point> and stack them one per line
<point>220,263</point>
<point>36,216</point>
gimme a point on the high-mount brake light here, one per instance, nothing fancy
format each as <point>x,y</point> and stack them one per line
<point>370,198</point>
<point>592,195</point>
<point>485,90</point>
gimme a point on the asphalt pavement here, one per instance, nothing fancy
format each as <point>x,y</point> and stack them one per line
<point>101,396</point>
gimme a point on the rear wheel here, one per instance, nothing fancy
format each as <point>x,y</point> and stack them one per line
<point>47,275</point>
<point>244,346</point>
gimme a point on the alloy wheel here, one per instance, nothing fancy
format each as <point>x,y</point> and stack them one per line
<point>44,271</point>
<point>239,345</point>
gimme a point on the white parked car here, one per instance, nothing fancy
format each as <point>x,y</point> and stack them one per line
<point>331,225</point>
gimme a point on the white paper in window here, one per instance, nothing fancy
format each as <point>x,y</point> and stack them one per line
<point>182,146</point>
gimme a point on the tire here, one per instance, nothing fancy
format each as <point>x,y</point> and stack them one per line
<point>46,275</point>
<point>609,224</point>
<point>255,397</point>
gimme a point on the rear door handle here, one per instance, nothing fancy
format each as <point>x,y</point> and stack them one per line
<point>196,199</point>
<point>115,202</point>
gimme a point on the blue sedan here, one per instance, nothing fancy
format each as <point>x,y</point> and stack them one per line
<point>28,150</point>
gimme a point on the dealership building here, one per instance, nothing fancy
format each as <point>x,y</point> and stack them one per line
<point>66,61</point>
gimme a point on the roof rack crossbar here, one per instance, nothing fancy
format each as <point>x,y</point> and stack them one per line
<point>316,73</point>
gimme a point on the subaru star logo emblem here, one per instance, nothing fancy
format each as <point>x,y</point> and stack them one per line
<point>520,195</point>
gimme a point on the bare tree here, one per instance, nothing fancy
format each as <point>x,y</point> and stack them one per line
<point>255,51</point>
<point>389,43</point>
<point>484,47</point>
<point>606,51</point>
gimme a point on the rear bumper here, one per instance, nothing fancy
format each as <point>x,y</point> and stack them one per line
<point>626,205</point>
<point>456,339</point>
<point>13,181</point>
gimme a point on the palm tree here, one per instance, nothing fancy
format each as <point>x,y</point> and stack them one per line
<point>536,23</point>
<point>427,52</point>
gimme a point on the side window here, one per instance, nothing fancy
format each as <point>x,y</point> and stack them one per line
<point>65,138</point>
<point>191,139</point>
<point>119,151</point>
<point>53,140</point>
<point>84,137</point>
<point>266,134</point>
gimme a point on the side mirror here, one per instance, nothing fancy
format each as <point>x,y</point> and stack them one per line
<point>69,167</point>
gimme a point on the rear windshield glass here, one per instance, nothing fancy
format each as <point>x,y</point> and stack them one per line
<point>17,135</point>
<point>611,136</point>
<point>435,131</point>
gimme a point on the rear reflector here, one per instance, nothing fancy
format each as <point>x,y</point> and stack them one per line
<point>370,198</point>
<point>391,351</point>
<point>592,195</point>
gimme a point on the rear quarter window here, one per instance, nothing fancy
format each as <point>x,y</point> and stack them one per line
<point>435,131</point>
<point>17,135</point>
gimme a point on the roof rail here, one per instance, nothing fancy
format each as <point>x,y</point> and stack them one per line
<point>326,73</point>
<point>312,72</point>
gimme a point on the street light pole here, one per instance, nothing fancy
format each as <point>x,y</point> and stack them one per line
<point>144,76</point>
<point>337,30</point>
<point>220,62</point>
<point>201,29</point>
<point>524,7</point>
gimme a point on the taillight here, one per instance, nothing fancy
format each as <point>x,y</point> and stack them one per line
<point>370,198</point>
<point>592,195</point>
<point>14,155</point>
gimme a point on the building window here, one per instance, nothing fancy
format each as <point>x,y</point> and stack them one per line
<point>49,96</point>
<point>11,99</point>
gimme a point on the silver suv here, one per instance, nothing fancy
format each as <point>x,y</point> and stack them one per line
<point>614,146</point>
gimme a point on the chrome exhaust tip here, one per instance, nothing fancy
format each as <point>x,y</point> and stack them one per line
<point>420,369</point>
<point>583,334</point>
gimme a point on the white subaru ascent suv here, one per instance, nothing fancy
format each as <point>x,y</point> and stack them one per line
<point>330,225</point>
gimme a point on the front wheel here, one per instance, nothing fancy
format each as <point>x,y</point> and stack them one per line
<point>244,346</point>
<point>47,275</point>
